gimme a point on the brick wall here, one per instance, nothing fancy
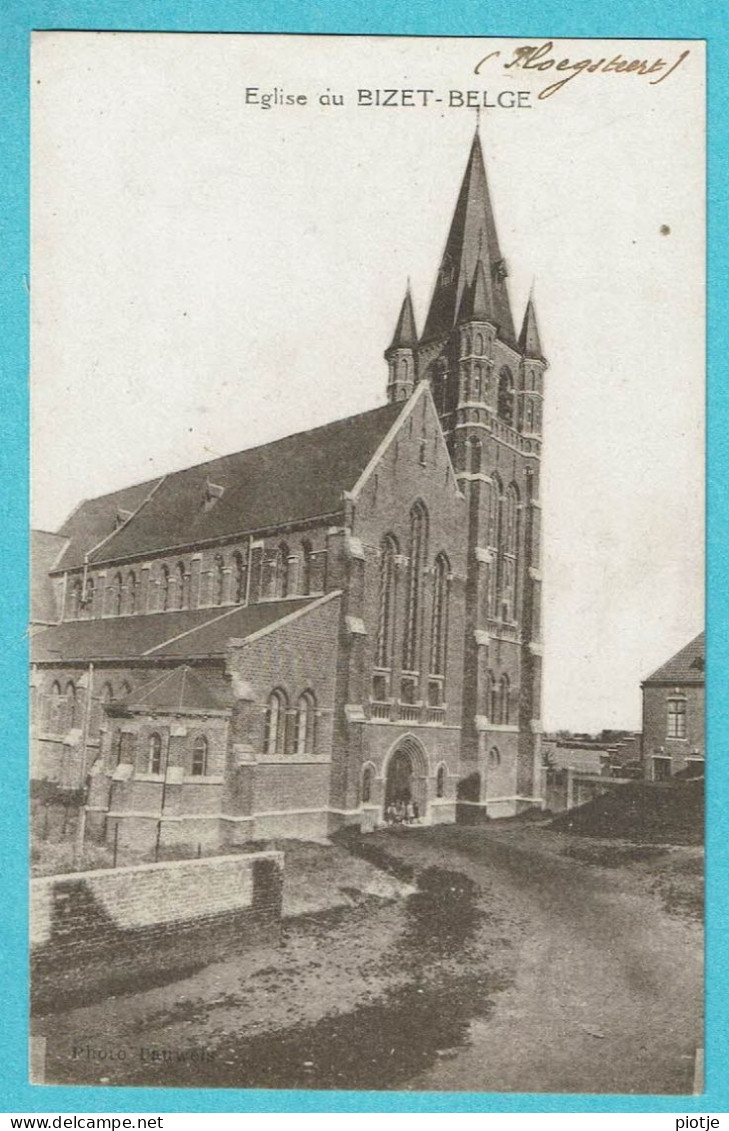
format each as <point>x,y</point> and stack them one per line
<point>94,933</point>
<point>655,726</point>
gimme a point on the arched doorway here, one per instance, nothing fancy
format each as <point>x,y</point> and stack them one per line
<point>407,775</point>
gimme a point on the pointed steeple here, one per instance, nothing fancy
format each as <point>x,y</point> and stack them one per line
<point>406,335</point>
<point>472,239</point>
<point>529,342</point>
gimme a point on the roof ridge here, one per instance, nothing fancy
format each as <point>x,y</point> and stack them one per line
<point>157,480</point>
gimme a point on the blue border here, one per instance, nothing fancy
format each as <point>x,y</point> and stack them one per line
<point>687,19</point>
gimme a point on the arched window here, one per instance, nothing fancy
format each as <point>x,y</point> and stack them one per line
<point>474,461</point>
<point>476,389</point>
<point>276,713</point>
<point>181,579</point>
<point>53,718</point>
<point>386,617</point>
<point>306,549</point>
<point>164,589</point>
<point>200,756</point>
<point>493,699</point>
<point>478,345</point>
<point>126,690</point>
<point>512,512</point>
<point>218,579</point>
<point>283,578</point>
<point>440,779</point>
<point>494,757</point>
<point>506,396</point>
<point>131,592</point>
<point>74,603</point>
<point>529,423</point>
<point>71,707</point>
<point>366,784</point>
<point>155,753</point>
<point>88,603</point>
<point>504,700</point>
<point>116,596</point>
<point>413,608</point>
<point>439,630</point>
<point>305,719</point>
<point>239,579</point>
<point>508,549</point>
<point>118,747</point>
<point>107,694</point>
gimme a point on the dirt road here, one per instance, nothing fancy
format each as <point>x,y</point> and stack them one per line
<point>513,967</point>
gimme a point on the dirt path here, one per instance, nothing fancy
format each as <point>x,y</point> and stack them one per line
<point>512,968</point>
<point>608,991</point>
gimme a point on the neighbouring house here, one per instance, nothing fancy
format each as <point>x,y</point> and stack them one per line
<point>286,640</point>
<point>673,715</point>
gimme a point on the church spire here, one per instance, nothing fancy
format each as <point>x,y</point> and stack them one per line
<point>529,342</point>
<point>406,335</point>
<point>400,354</point>
<point>475,306</point>
<point>472,240</point>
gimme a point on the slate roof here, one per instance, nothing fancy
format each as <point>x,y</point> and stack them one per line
<point>687,666</point>
<point>181,690</point>
<point>529,341</point>
<point>406,334</point>
<point>289,480</point>
<point>185,634</point>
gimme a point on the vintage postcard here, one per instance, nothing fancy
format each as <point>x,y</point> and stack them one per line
<point>367,657</point>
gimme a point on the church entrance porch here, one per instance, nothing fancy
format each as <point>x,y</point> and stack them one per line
<point>406,777</point>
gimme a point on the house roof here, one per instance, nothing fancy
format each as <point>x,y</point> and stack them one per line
<point>293,479</point>
<point>687,666</point>
<point>190,633</point>
<point>179,690</point>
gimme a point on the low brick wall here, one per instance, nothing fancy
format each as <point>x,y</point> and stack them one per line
<point>95,933</point>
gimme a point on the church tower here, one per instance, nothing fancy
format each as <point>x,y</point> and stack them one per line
<point>487,384</point>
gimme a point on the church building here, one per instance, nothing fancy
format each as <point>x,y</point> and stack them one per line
<point>286,640</point>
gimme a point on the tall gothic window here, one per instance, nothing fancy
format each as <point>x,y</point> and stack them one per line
<point>71,707</point>
<point>218,579</point>
<point>89,597</point>
<point>74,604</point>
<point>165,589</point>
<point>116,596</point>
<point>474,446</point>
<point>506,396</point>
<point>182,593</point>
<point>504,699</point>
<point>200,756</point>
<point>239,579</point>
<point>155,753</point>
<point>276,713</point>
<point>306,550</point>
<point>510,549</point>
<point>413,607</point>
<point>305,720</point>
<point>386,618</point>
<point>493,699</point>
<point>439,631</point>
<point>283,579</point>
<point>131,592</point>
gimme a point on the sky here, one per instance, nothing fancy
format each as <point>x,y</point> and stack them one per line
<point>208,274</point>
